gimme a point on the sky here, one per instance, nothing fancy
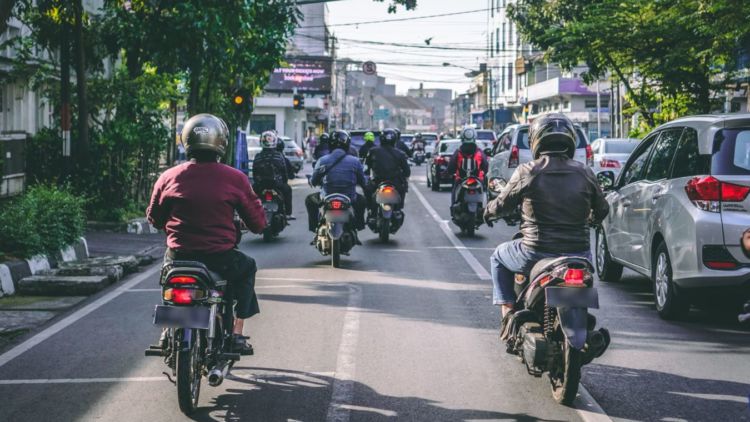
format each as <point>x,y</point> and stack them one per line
<point>465,33</point>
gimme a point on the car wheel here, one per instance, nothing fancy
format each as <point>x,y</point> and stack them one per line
<point>669,303</point>
<point>607,269</point>
<point>435,184</point>
<point>428,180</point>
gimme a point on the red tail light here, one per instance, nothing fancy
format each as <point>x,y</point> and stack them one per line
<point>183,279</point>
<point>707,193</point>
<point>590,156</point>
<point>721,265</point>
<point>268,195</point>
<point>387,189</point>
<point>337,205</point>
<point>299,153</point>
<point>574,276</point>
<point>513,160</point>
<point>472,181</point>
<point>441,160</point>
<point>182,296</point>
<point>613,164</point>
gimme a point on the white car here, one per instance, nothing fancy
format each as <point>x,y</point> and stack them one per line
<point>430,139</point>
<point>612,153</point>
<point>253,148</point>
<point>512,150</point>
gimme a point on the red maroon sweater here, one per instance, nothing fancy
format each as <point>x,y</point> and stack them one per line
<point>195,203</point>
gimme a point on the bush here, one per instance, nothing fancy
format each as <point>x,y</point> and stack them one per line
<point>43,220</point>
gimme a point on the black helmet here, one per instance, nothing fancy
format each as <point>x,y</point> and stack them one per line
<point>398,134</point>
<point>469,136</point>
<point>205,132</point>
<point>552,133</point>
<point>325,138</point>
<point>340,139</point>
<point>418,136</point>
<point>389,137</point>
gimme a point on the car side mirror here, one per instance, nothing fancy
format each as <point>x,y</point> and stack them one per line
<point>606,179</point>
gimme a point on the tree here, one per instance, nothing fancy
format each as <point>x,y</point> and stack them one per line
<point>6,8</point>
<point>678,52</point>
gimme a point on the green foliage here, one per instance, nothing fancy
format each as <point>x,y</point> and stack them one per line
<point>43,220</point>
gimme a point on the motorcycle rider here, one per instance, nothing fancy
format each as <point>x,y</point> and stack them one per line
<point>418,143</point>
<point>467,161</point>
<point>387,164</point>
<point>195,202</point>
<point>558,197</point>
<point>323,147</point>
<point>337,172</point>
<point>271,169</point>
<point>369,144</point>
<point>400,145</point>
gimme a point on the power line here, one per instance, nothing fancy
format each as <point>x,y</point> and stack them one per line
<point>395,20</point>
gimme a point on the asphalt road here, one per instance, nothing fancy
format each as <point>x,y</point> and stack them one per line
<point>404,330</point>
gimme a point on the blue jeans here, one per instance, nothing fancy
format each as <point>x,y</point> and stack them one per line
<point>513,257</point>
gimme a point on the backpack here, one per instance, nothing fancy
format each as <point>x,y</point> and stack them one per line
<point>264,168</point>
<point>469,165</point>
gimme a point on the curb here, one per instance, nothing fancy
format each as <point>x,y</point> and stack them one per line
<point>141,226</point>
<point>12,272</point>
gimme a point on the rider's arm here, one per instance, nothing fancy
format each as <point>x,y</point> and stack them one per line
<point>599,205</point>
<point>156,214</point>
<point>250,209</point>
<point>485,166</point>
<point>317,176</point>
<point>453,163</point>
<point>361,180</point>
<point>511,196</point>
<point>405,169</point>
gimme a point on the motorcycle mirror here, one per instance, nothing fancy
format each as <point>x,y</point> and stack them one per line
<point>606,179</point>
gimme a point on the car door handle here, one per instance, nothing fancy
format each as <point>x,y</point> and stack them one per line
<point>626,204</point>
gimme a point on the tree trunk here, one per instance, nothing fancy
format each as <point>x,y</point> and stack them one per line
<point>6,8</point>
<point>65,95</point>
<point>83,110</point>
<point>193,103</point>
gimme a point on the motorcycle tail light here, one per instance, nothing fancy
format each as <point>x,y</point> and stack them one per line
<point>574,276</point>
<point>387,189</point>
<point>472,181</point>
<point>183,279</point>
<point>337,205</point>
<point>182,296</point>
<point>269,195</point>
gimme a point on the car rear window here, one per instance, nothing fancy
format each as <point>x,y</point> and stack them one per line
<point>449,147</point>
<point>485,136</point>
<point>619,147</point>
<point>581,138</point>
<point>523,138</point>
<point>429,139</point>
<point>731,153</point>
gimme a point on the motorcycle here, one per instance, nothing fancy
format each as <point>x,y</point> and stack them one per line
<point>418,157</point>
<point>551,330</point>
<point>336,234</point>
<point>389,217</point>
<point>469,207</point>
<point>197,317</point>
<point>273,205</point>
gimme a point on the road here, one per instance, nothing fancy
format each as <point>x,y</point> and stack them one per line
<point>404,330</point>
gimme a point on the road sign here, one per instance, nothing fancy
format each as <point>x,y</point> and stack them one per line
<point>370,112</point>
<point>382,114</point>
<point>369,68</point>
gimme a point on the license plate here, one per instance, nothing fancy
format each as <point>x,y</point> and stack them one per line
<point>271,206</point>
<point>571,297</point>
<point>182,316</point>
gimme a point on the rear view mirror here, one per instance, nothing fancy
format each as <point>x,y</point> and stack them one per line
<point>606,179</point>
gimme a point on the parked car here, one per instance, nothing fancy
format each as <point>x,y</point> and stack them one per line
<point>294,153</point>
<point>679,209</point>
<point>612,153</point>
<point>253,148</point>
<point>437,164</point>
<point>512,150</point>
<point>430,139</point>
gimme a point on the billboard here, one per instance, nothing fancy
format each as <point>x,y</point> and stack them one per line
<point>310,75</point>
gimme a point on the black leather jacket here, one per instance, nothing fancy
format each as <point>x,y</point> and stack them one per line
<point>388,163</point>
<point>559,197</point>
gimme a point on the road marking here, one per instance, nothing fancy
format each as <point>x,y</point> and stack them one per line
<point>142,290</point>
<point>588,409</point>
<point>287,279</point>
<point>83,380</point>
<point>75,316</point>
<point>343,381</point>
<point>478,268</point>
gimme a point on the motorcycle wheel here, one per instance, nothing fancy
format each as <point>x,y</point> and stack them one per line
<point>335,253</point>
<point>384,230</point>
<point>565,382</point>
<point>189,375</point>
<point>267,235</point>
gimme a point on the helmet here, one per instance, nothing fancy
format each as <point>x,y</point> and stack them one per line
<point>369,137</point>
<point>418,136</point>
<point>469,136</point>
<point>398,134</point>
<point>280,145</point>
<point>552,133</point>
<point>325,138</point>
<point>389,137</point>
<point>205,132</point>
<point>268,140</point>
<point>340,139</point>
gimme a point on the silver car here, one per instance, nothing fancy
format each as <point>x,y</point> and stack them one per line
<point>293,153</point>
<point>512,150</point>
<point>612,153</point>
<point>679,210</point>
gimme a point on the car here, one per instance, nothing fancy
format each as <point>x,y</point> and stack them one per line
<point>438,162</point>
<point>679,211</point>
<point>486,138</point>
<point>512,150</point>
<point>407,138</point>
<point>294,153</point>
<point>612,153</point>
<point>430,139</point>
<point>253,148</point>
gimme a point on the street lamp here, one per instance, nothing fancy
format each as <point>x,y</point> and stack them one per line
<point>471,72</point>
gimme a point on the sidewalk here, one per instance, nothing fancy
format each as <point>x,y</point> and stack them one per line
<point>20,315</point>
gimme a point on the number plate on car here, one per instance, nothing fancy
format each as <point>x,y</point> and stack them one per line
<point>182,316</point>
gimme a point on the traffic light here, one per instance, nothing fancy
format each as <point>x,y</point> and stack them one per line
<point>242,101</point>
<point>298,102</point>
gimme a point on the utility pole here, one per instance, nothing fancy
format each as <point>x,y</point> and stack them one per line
<point>65,92</point>
<point>598,111</point>
<point>82,149</point>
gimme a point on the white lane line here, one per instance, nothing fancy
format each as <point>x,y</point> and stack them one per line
<point>588,409</point>
<point>83,380</point>
<point>142,290</point>
<point>75,316</point>
<point>478,268</point>
<point>343,382</point>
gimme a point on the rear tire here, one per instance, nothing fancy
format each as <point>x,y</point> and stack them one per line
<point>435,186</point>
<point>267,235</point>
<point>189,375</point>
<point>470,231</point>
<point>335,253</point>
<point>384,230</point>
<point>607,269</point>
<point>669,303</point>
<point>565,389</point>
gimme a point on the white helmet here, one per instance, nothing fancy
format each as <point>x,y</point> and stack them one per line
<point>268,140</point>
<point>469,136</point>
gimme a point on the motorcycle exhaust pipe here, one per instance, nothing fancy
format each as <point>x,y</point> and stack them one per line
<point>217,374</point>
<point>745,316</point>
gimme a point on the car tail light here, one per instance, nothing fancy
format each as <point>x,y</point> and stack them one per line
<point>440,160</point>
<point>574,276</point>
<point>298,153</point>
<point>182,279</point>
<point>590,156</point>
<point>717,257</point>
<point>513,160</point>
<point>707,193</point>
<point>612,164</point>
<point>268,196</point>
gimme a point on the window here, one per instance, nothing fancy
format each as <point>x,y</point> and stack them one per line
<point>523,138</point>
<point>510,76</point>
<point>502,78</point>
<point>503,34</point>
<point>731,152</point>
<point>497,40</point>
<point>688,161</point>
<point>635,165</point>
<point>661,159</point>
<point>492,9</point>
<point>510,33</point>
<point>503,144</point>
<point>566,105</point>
<point>492,44</point>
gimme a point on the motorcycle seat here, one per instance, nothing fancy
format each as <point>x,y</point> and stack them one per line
<point>198,268</point>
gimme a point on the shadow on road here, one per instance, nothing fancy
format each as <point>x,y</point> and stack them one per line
<point>269,394</point>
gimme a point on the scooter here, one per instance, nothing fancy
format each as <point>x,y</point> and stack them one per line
<point>273,205</point>
<point>418,157</point>
<point>336,234</point>
<point>389,216</point>
<point>469,207</point>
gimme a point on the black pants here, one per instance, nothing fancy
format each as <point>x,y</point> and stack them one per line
<point>239,270</point>
<point>313,201</point>
<point>285,189</point>
<point>370,194</point>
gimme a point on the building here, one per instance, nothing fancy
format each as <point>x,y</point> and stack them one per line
<point>403,112</point>
<point>438,101</point>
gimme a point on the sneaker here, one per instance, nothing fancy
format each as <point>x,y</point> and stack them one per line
<point>291,217</point>
<point>242,346</point>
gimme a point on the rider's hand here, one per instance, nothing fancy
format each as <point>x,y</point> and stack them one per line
<point>488,219</point>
